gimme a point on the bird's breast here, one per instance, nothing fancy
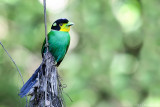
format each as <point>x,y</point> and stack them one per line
<point>58,45</point>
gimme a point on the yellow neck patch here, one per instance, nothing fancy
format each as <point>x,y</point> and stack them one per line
<point>65,28</point>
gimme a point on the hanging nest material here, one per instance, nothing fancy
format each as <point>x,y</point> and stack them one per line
<point>47,92</point>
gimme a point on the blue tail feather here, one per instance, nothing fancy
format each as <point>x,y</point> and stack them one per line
<point>29,84</point>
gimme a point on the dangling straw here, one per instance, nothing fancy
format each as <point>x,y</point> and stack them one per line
<point>45,22</point>
<point>15,65</point>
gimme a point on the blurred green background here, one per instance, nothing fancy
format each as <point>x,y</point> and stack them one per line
<point>113,59</point>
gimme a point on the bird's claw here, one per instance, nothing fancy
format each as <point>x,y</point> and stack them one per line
<point>54,63</point>
<point>47,44</point>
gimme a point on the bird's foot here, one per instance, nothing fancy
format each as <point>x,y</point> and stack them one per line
<point>47,45</point>
<point>54,63</point>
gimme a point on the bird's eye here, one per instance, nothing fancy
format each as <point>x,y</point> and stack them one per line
<point>60,24</point>
<point>54,24</point>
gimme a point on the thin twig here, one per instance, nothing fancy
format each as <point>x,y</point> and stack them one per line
<point>15,65</point>
<point>68,96</point>
<point>45,22</point>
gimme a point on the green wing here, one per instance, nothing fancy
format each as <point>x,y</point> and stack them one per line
<point>58,63</point>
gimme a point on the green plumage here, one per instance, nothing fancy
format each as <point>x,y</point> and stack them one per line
<point>59,40</point>
<point>58,44</point>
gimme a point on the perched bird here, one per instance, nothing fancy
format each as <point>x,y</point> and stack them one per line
<point>59,40</point>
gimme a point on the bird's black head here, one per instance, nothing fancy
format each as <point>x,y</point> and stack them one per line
<point>61,25</point>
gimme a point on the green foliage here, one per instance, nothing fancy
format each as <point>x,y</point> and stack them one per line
<point>108,67</point>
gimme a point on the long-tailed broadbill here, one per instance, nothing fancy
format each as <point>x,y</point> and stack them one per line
<point>59,40</point>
